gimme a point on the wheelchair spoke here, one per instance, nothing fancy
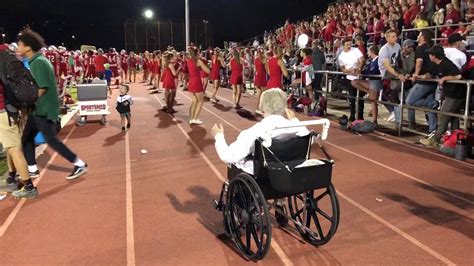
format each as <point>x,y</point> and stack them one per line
<point>318,225</point>
<point>248,236</point>
<point>241,195</point>
<point>324,214</point>
<point>322,195</point>
<point>255,236</point>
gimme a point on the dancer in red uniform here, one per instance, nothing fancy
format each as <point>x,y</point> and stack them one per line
<point>275,68</point>
<point>152,68</point>
<point>236,78</point>
<point>216,63</point>
<point>260,80</point>
<point>156,71</point>
<point>185,71</point>
<point>204,75</point>
<point>195,85</point>
<point>146,66</point>
<point>123,66</point>
<point>169,80</point>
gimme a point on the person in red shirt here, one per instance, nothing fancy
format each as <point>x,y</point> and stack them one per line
<point>99,61</point>
<point>289,32</point>
<point>63,57</point>
<point>78,65</point>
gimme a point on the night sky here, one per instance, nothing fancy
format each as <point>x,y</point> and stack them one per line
<point>101,22</point>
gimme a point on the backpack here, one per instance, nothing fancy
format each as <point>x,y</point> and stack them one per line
<point>21,90</point>
<point>449,141</point>
<point>362,126</point>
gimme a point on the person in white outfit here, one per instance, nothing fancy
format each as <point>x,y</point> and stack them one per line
<point>273,105</point>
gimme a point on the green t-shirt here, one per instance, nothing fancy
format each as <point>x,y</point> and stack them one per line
<point>42,71</point>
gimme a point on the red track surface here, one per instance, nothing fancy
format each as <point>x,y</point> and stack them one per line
<point>399,204</point>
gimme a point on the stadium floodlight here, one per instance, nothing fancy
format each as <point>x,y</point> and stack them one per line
<point>74,37</point>
<point>148,14</point>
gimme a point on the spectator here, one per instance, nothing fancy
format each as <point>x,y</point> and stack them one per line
<point>10,137</point>
<point>319,64</point>
<point>423,93</point>
<point>454,94</point>
<point>351,62</point>
<point>45,117</point>
<point>428,8</point>
<point>372,86</point>
<point>390,65</point>
<point>420,22</point>
<point>452,15</point>
<point>453,52</point>
<point>359,42</point>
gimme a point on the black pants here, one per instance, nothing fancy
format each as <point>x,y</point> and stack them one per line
<point>352,102</point>
<point>36,124</point>
<point>450,105</point>
<point>318,78</point>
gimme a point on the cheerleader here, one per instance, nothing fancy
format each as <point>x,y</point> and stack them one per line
<point>217,63</point>
<point>146,66</point>
<point>260,79</point>
<point>169,80</point>
<point>276,68</point>
<point>195,86</point>
<point>236,78</point>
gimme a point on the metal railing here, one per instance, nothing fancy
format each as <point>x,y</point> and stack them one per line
<point>435,28</point>
<point>402,105</point>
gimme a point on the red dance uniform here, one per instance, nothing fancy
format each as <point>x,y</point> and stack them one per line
<point>195,83</point>
<point>203,73</point>
<point>260,74</point>
<point>169,80</point>
<point>275,74</point>
<point>215,69</point>
<point>236,76</point>
<point>90,73</point>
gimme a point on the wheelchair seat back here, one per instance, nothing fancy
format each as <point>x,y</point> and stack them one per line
<point>293,149</point>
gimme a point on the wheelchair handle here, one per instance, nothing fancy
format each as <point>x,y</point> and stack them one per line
<point>324,122</point>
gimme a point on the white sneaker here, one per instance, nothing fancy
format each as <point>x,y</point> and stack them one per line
<point>258,112</point>
<point>197,122</point>
<point>391,117</point>
<point>191,121</point>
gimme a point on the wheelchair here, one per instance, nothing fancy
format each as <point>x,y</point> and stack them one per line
<point>282,170</point>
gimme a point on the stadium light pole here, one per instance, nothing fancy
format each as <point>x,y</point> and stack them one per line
<point>186,22</point>
<point>148,14</point>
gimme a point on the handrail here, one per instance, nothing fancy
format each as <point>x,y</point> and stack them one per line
<point>466,117</point>
<point>435,27</point>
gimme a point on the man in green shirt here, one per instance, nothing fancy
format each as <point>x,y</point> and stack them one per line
<point>45,117</point>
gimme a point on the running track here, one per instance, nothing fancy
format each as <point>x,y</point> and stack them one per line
<point>400,204</point>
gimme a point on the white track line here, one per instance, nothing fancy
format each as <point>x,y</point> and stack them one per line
<point>442,190</point>
<point>378,218</point>
<point>276,247</point>
<point>20,203</point>
<point>129,204</point>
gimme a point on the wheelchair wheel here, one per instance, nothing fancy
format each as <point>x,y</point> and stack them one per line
<point>247,217</point>
<point>318,212</point>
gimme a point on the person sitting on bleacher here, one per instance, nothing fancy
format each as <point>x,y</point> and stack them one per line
<point>454,94</point>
